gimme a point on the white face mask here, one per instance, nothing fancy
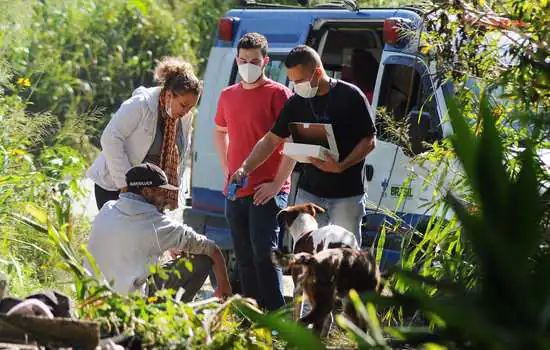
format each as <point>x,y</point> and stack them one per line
<point>305,89</point>
<point>250,72</point>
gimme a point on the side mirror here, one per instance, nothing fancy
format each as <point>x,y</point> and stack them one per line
<point>419,130</point>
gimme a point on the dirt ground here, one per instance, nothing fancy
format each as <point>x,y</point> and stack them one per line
<point>207,291</point>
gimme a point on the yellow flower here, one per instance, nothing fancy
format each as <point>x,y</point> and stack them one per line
<point>425,49</point>
<point>24,82</point>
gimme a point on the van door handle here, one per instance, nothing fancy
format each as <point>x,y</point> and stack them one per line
<point>369,172</point>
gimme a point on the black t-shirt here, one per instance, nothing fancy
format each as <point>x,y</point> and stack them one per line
<point>345,107</point>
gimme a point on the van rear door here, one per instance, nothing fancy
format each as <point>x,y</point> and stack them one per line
<point>398,80</point>
<point>407,95</point>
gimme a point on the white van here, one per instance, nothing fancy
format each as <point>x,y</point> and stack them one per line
<point>402,84</point>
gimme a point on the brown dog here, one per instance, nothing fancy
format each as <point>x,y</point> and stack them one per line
<point>330,274</point>
<point>299,221</point>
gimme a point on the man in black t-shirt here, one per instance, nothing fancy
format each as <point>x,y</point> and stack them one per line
<point>334,184</point>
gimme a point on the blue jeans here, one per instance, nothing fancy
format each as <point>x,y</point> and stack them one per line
<point>255,232</point>
<point>347,212</point>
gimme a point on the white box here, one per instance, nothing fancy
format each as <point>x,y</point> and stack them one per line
<point>301,152</point>
<point>311,141</point>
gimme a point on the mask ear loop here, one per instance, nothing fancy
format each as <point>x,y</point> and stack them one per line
<point>318,79</point>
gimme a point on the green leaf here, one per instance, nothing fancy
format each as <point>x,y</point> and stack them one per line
<point>463,141</point>
<point>293,333</point>
<point>374,324</point>
<point>37,212</point>
<point>91,260</point>
<point>364,340</point>
<point>434,346</point>
<point>413,335</point>
<point>31,223</point>
<point>380,245</point>
<point>140,5</point>
<point>188,265</point>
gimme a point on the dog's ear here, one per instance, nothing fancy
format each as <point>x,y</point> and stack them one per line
<point>313,209</point>
<point>286,217</point>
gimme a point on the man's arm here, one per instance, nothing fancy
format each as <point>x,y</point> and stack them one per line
<point>220,271</point>
<point>361,150</point>
<point>174,235</point>
<point>363,128</point>
<point>266,191</point>
<point>285,169</point>
<point>222,141</point>
<point>258,156</point>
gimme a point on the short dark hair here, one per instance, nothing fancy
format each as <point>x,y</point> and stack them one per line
<point>304,55</point>
<point>253,41</point>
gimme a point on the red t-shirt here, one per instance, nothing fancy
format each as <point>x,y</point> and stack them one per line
<point>248,116</point>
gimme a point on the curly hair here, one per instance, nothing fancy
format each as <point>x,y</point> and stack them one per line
<point>177,76</point>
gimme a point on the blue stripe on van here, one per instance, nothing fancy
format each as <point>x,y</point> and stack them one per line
<point>375,220</point>
<point>208,200</point>
<point>213,201</point>
<point>220,235</point>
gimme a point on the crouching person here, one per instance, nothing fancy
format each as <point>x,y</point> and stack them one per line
<point>130,234</point>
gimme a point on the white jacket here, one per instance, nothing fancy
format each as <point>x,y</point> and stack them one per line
<point>128,235</point>
<point>129,136</point>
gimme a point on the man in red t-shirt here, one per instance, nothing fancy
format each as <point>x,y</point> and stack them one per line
<point>246,112</point>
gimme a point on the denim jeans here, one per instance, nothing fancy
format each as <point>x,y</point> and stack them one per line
<point>255,231</point>
<point>346,212</point>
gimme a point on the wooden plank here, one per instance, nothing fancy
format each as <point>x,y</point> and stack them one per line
<point>58,332</point>
<point>6,346</point>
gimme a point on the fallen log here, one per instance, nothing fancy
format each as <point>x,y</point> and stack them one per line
<point>56,332</point>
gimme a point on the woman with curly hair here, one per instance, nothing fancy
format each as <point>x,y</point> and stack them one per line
<point>151,126</point>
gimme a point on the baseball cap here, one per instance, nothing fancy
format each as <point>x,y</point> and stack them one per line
<point>148,175</point>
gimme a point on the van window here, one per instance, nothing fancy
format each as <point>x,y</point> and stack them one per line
<point>275,70</point>
<point>407,92</point>
<point>353,53</point>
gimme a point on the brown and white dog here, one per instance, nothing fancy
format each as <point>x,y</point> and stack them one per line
<point>330,274</point>
<point>299,221</point>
